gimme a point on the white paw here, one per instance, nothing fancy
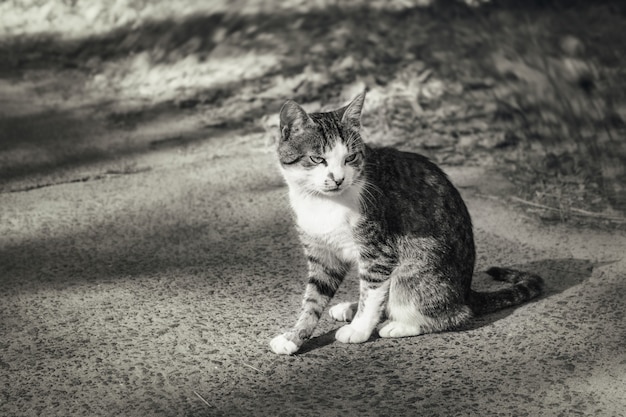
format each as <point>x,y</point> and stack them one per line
<point>343,311</point>
<point>399,329</point>
<point>349,334</point>
<point>283,346</point>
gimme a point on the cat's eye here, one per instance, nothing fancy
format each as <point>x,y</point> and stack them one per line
<point>351,157</point>
<point>316,159</point>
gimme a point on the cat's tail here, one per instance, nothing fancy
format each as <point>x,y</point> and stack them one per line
<point>526,286</point>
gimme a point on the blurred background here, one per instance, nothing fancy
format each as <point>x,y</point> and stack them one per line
<point>534,89</point>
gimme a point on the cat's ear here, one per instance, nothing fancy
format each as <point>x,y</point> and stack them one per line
<point>293,117</point>
<point>352,114</point>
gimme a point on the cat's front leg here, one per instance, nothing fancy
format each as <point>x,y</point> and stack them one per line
<point>326,273</point>
<point>286,343</point>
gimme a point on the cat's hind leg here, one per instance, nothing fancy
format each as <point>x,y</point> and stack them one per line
<point>343,311</point>
<point>421,303</point>
<point>404,317</point>
<point>404,320</point>
<point>399,329</point>
<point>369,312</point>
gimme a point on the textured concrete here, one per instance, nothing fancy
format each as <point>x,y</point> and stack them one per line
<point>156,293</point>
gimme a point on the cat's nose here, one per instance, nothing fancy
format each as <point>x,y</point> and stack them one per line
<point>338,181</point>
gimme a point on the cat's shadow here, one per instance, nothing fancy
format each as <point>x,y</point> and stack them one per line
<point>558,275</point>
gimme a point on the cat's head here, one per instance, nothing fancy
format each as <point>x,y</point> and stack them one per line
<point>322,153</point>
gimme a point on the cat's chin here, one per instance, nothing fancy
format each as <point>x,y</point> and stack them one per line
<point>332,192</point>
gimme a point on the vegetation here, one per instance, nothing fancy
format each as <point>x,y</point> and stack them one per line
<point>534,88</point>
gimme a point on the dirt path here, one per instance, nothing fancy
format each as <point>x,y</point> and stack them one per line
<point>149,277</point>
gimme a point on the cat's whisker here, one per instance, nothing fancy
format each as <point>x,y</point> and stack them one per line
<point>368,195</point>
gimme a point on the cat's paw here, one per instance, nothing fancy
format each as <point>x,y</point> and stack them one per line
<point>283,346</point>
<point>343,311</point>
<point>350,334</point>
<point>399,329</point>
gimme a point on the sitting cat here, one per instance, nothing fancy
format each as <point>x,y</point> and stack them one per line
<point>394,216</point>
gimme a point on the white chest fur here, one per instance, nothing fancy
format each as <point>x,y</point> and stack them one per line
<point>330,219</point>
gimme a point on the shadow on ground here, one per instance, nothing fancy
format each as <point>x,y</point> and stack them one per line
<point>53,147</point>
<point>140,243</point>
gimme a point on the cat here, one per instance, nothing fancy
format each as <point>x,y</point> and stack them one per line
<point>392,215</point>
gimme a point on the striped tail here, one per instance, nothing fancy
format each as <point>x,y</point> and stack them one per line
<point>526,286</point>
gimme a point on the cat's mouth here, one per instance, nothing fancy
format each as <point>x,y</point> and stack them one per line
<point>333,191</point>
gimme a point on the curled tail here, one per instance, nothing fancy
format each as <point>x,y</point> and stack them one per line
<point>525,286</point>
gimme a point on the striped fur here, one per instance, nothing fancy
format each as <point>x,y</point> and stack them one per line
<point>392,216</point>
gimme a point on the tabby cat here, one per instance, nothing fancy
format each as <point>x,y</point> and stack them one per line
<point>392,215</point>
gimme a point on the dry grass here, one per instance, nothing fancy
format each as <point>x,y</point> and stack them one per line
<point>510,86</point>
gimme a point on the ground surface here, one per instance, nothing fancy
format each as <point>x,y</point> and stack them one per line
<point>147,254</point>
<point>126,293</point>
